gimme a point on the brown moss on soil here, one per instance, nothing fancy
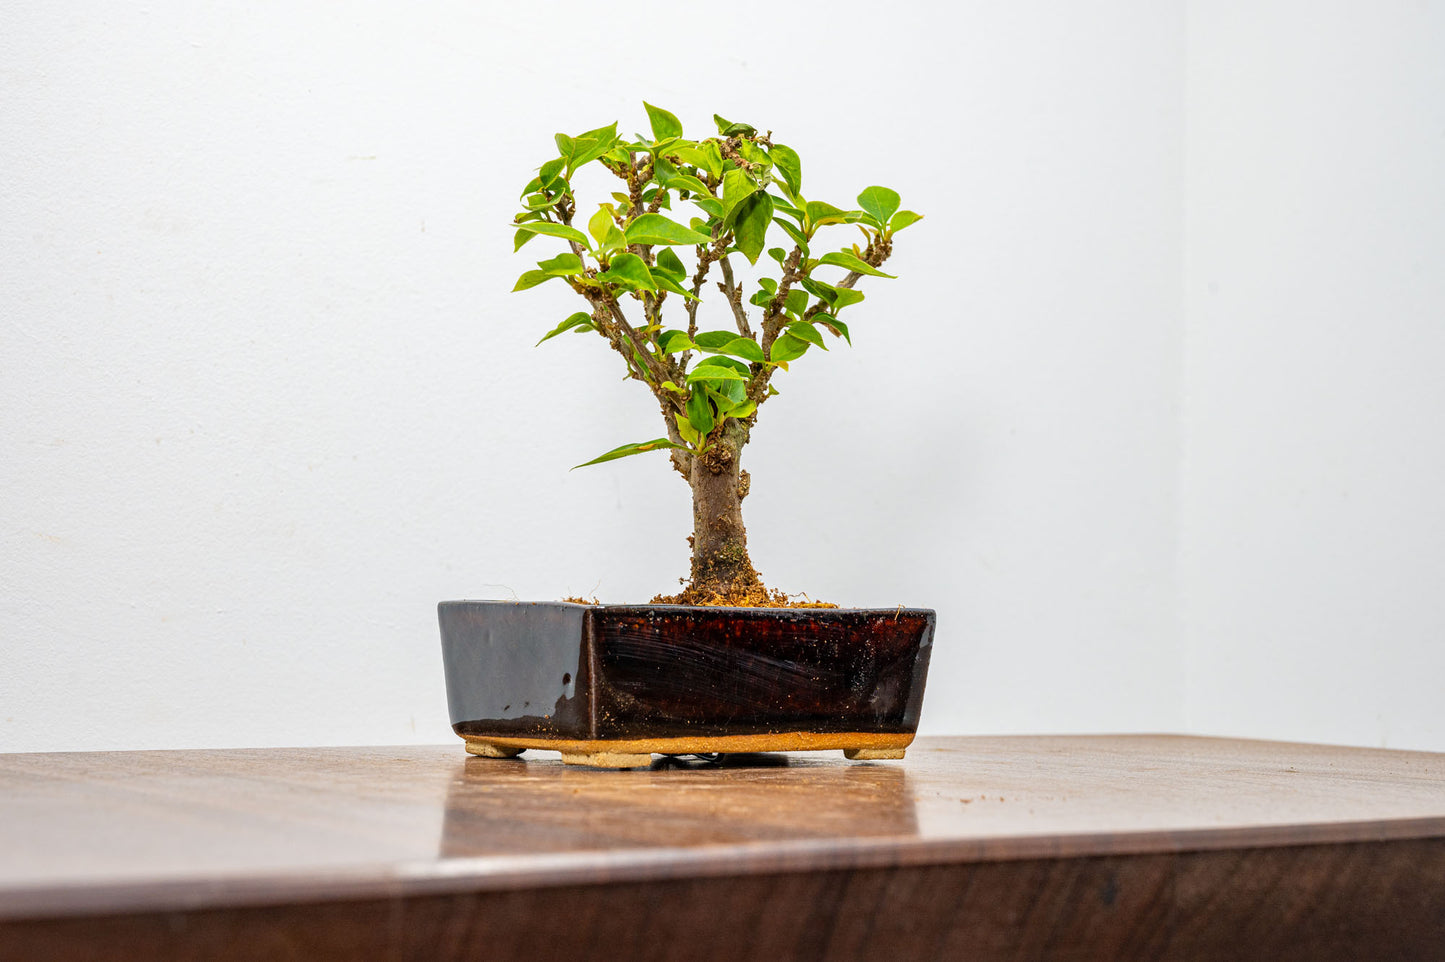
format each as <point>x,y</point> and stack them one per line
<point>755,596</point>
<point>744,590</point>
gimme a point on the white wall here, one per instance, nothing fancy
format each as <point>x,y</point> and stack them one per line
<point>1313,509</point>
<point>265,397</point>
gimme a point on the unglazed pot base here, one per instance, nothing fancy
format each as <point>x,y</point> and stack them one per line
<point>638,752</point>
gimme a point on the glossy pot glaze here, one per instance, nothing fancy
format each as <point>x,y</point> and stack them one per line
<point>611,684</point>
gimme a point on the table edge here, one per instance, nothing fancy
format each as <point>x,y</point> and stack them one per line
<point>489,873</point>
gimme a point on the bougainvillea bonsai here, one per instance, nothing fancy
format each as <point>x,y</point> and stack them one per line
<point>736,193</point>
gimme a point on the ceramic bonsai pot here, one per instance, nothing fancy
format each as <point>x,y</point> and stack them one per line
<point>609,685</point>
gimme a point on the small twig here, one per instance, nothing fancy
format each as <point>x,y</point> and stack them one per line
<point>735,298</point>
<point>705,259</point>
<point>774,320</point>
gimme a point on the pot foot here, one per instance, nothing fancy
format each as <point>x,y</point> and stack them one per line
<point>607,759</point>
<point>488,750</point>
<point>872,754</point>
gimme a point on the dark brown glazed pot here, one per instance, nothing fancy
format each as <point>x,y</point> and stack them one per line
<point>609,685</point>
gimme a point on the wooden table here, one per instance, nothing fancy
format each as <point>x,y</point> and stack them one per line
<point>1117,847</point>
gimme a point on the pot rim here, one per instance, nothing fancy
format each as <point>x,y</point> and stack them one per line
<point>900,609</point>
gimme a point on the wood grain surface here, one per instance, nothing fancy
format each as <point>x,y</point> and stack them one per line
<point>1025,847</point>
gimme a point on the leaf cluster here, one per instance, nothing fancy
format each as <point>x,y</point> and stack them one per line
<point>711,198</point>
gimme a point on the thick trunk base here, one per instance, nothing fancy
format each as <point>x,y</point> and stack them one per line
<point>722,572</point>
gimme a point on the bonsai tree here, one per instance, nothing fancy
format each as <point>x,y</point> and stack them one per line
<point>737,193</point>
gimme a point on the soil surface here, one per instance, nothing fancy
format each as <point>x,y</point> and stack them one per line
<point>754,595</point>
<point>751,596</point>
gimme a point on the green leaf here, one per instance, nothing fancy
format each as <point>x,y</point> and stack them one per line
<point>673,342</point>
<point>536,202</point>
<point>714,157</point>
<point>601,223</point>
<point>615,240</point>
<point>737,187</point>
<point>587,147</point>
<point>729,129</point>
<point>734,391</point>
<point>743,410</point>
<point>662,170</point>
<point>630,271</point>
<point>820,213</point>
<point>807,332</point>
<point>531,279</point>
<point>580,321</point>
<point>520,238</point>
<point>880,202</point>
<point>555,230</point>
<point>705,156</point>
<point>669,263</point>
<point>731,363</point>
<point>664,124</point>
<point>750,229</point>
<point>903,219</point>
<point>688,183</point>
<point>833,324</point>
<point>700,413</point>
<point>562,265</point>
<point>727,394</point>
<point>797,301</point>
<point>788,348</point>
<point>767,287</point>
<point>630,449</point>
<point>743,347</point>
<point>713,340</point>
<point>852,262</point>
<point>788,164</point>
<point>826,293</point>
<point>756,156</point>
<point>666,283</point>
<point>792,231</point>
<point>777,254</point>
<point>656,229</point>
<point>691,154</point>
<point>713,372</point>
<point>594,143</point>
<point>685,428</point>
<point>549,173</point>
<point>836,298</point>
<point>784,206</point>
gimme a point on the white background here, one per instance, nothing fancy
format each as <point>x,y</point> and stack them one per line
<point>1152,416</point>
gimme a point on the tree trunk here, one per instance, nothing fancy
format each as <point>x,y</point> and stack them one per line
<point>721,568</point>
